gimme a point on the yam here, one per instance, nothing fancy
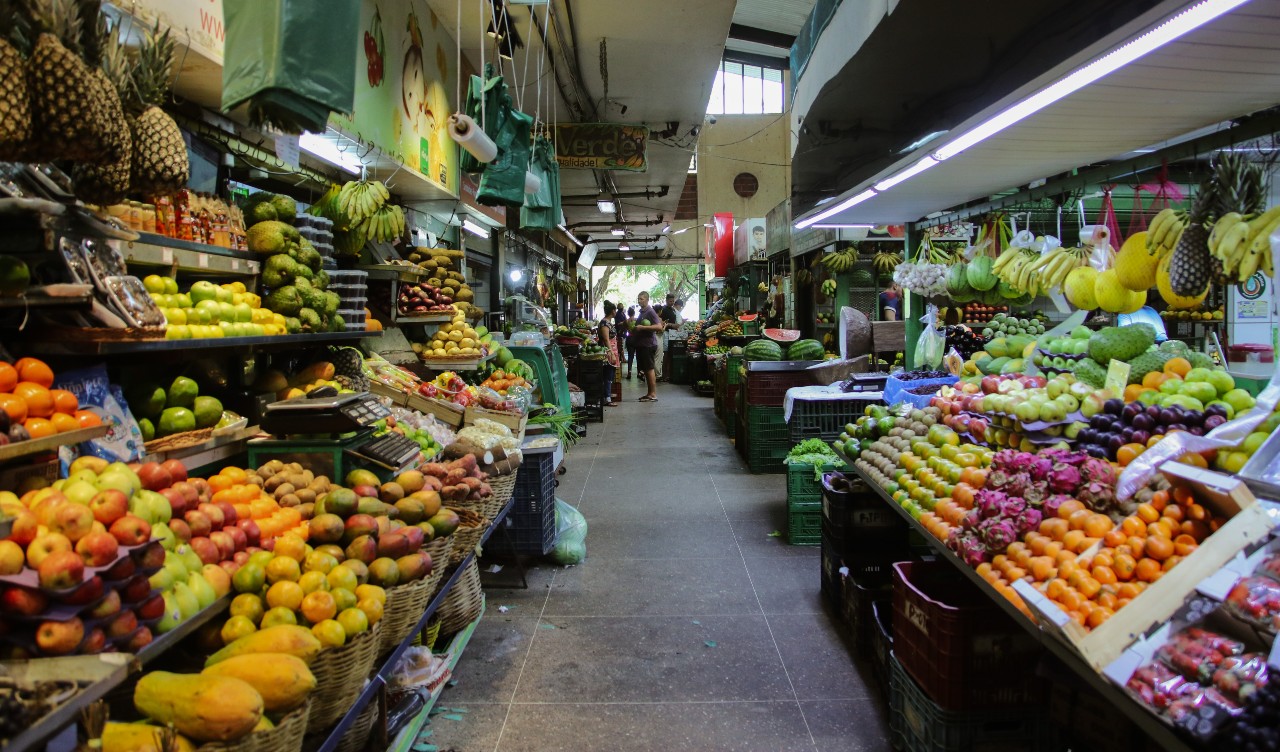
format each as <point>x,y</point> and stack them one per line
<point>431,483</point>
<point>473,484</point>
<point>468,462</point>
<point>435,470</point>
<point>455,476</point>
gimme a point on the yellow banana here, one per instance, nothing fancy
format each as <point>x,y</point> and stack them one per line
<point>1157,226</point>
<point>1232,246</point>
<point>1220,229</point>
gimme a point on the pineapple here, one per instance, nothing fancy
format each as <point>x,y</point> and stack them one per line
<point>1233,185</point>
<point>67,123</point>
<point>15,110</point>
<point>108,183</point>
<point>160,163</point>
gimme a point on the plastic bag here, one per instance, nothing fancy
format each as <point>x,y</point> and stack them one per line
<point>123,442</point>
<point>571,535</point>
<point>932,343</point>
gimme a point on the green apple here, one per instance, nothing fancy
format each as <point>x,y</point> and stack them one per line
<point>170,285</point>
<point>1201,390</point>
<point>1239,399</point>
<point>226,312</point>
<point>1222,381</point>
<point>1182,400</point>
<point>184,300</point>
<point>154,284</point>
<point>224,295</point>
<point>204,290</point>
<point>1198,374</point>
<point>213,309</point>
<point>244,312</point>
<point>175,316</point>
<point>111,479</point>
<point>1171,386</point>
<point>79,492</point>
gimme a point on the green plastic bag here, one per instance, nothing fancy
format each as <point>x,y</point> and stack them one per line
<point>485,97</point>
<point>280,59</point>
<point>541,210</point>
<point>502,182</point>
<point>571,535</point>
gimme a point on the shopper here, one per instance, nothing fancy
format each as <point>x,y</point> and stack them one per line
<point>646,339</point>
<point>670,315</point>
<point>631,339</point>
<point>604,335</point>
<point>890,303</point>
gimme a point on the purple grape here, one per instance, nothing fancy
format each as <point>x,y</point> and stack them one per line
<point>1153,412</point>
<point>1143,422</point>
<point>1115,442</point>
<point>1216,410</point>
<point>1176,427</point>
<point>1094,450</point>
<point>1113,406</point>
<point>1193,418</point>
<point>1213,421</point>
<point>1196,431</point>
<point>1132,410</point>
<point>1099,421</point>
<point>1168,416</point>
<point>1141,437</point>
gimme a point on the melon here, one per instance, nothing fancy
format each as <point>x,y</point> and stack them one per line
<point>1135,267</point>
<point>806,349</point>
<point>1113,297</point>
<point>762,349</point>
<point>978,274</point>
<point>862,278</point>
<point>1079,288</point>
<point>958,288</point>
<point>782,335</point>
<point>748,316</point>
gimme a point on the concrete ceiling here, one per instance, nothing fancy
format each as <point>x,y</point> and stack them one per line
<point>1226,69</point>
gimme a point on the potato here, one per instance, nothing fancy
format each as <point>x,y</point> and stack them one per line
<point>284,489</point>
<point>305,495</point>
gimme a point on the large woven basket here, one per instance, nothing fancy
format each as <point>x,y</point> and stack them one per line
<point>286,736</point>
<point>358,736</point>
<point>504,486</point>
<point>440,548</point>
<point>340,674</point>
<point>462,605</point>
<point>405,604</point>
<point>466,538</point>
<point>486,506</point>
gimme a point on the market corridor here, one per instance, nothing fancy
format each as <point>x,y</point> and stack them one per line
<point>690,626</point>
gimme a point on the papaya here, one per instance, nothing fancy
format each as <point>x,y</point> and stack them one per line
<point>139,737</point>
<point>282,638</point>
<point>204,708</point>
<point>989,367</point>
<point>322,371</point>
<point>283,680</point>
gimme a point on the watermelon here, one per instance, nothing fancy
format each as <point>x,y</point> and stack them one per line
<point>978,274</point>
<point>862,278</point>
<point>806,349</point>
<point>762,349</point>
<point>958,288</point>
<point>782,335</point>
<point>748,316</point>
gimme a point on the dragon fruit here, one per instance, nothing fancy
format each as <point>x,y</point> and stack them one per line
<point>988,502</point>
<point>1096,470</point>
<point>1097,496</point>
<point>1027,520</point>
<point>972,550</point>
<point>1065,457</point>
<point>998,533</point>
<point>1018,484</point>
<point>972,518</point>
<point>1036,493</point>
<point>1051,504</point>
<point>953,538</point>
<point>1012,506</point>
<point>997,478</point>
<point>1040,468</point>
<point>1064,478</point>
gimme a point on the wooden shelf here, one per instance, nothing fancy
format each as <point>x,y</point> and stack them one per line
<point>129,347</point>
<point>49,443</point>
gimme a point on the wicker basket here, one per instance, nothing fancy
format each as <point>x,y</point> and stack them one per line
<point>340,674</point>
<point>433,631</point>
<point>286,736</point>
<point>486,506</point>
<point>405,604</point>
<point>462,605</point>
<point>466,538</point>
<point>179,440</point>
<point>358,736</point>
<point>440,548</point>
<point>503,487</point>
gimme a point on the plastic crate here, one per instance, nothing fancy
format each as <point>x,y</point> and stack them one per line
<point>769,388</point>
<point>531,524</point>
<point>959,645</point>
<point>801,484</point>
<point>917,724</point>
<point>764,434</point>
<point>680,369</point>
<point>872,564</point>
<point>860,514</point>
<point>882,642</point>
<point>804,523</point>
<point>832,578</point>
<point>354,319</point>
<point>733,369</point>
<point>826,419</point>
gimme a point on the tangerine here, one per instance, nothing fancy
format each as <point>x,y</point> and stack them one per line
<point>64,401</point>
<point>1128,453</point>
<point>14,406</point>
<point>1123,566</point>
<point>1153,380</point>
<point>1097,525</point>
<point>1069,507</point>
<point>39,428</point>
<point>39,401</point>
<point>1105,575</point>
<point>1177,367</point>
<point>1147,513</point>
<point>63,422</point>
<point>1159,500</point>
<point>8,377</point>
<point>1078,518</point>
<point>36,371</point>
<point>1098,616</point>
<point>1147,570</point>
<point>1171,562</point>
<point>88,418</point>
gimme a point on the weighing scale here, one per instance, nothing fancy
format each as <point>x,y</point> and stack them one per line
<point>332,435</point>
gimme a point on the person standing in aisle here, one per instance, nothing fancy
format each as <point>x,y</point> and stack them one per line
<point>620,333</point>
<point>646,344</point>
<point>604,335</point>
<point>890,303</point>
<point>631,339</point>
<point>670,315</point>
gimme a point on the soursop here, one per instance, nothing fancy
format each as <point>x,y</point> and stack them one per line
<point>307,254</point>
<point>1091,373</point>
<point>1147,363</point>
<point>312,298</point>
<point>310,320</point>
<point>1120,343</point>
<point>286,208</point>
<point>279,270</point>
<point>1200,360</point>
<point>1175,347</point>
<point>285,301</point>
<point>331,302</point>
<point>267,238</point>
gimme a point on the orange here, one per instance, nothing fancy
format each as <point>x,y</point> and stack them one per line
<point>1104,575</point>
<point>1161,529</point>
<point>64,401</point>
<point>1171,562</point>
<point>1153,380</point>
<point>1097,525</point>
<point>1089,587</point>
<point>1196,529</point>
<point>1174,513</point>
<point>236,474</point>
<point>1129,590</point>
<point>1132,391</point>
<point>1069,507</point>
<point>318,606</point>
<point>1154,440</point>
<point>286,594</point>
<point>1098,616</point>
<point>1055,527</point>
<point>1072,539</point>
<point>1115,538</point>
<point>1056,587</point>
<point>1107,599</point>
<point>15,406</point>
<point>1124,566</point>
<point>39,401</point>
<point>1159,548</point>
<point>39,428</point>
<point>1159,500</point>
<point>1184,544</point>
<point>30,369</point>
<point>1177,366</point>
<point>1147,513</point>
<point>1078,518</point>
<point>8,377</point>
<point>1131,525</point>
<point>88,418</point>
<point>63,422</point>
<point>1128,453</point>
<point>1194,459</point>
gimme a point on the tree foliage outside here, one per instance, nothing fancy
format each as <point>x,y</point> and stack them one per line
<point>623,283</point>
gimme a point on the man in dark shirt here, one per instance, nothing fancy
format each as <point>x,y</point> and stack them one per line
<point>670,315</point>
<point>645,337</point>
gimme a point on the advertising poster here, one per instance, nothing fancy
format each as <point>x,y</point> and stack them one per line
<point>406,83</point>
<point>602,146</point>
<point>749,241</point>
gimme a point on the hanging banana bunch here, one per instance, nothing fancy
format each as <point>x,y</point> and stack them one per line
<point>327,206</point>
<point>829,288</point>
<point>1243,245</point>
<point>841,261</point>
<point>1164,231</point>
<point>1052,268</point>
<point>804,277</point>
<point>385,225</point>
<point>1016,268</point>
<point>885,262</point>
<point>361,198</point>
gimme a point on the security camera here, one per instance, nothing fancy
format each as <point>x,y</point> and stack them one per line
<point>711,119</point>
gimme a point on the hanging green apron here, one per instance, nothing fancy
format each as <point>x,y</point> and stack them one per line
<point>541,210</point>
<point>502,182</point>
<point>491,91</point>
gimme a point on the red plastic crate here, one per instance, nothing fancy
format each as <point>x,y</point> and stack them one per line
<point>965,652</point>
<point>768,388</point>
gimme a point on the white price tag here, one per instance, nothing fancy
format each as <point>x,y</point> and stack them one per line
<point>288,150</point>
<point>235,265</point>
<point>166,255</point>
<point>202,260</point>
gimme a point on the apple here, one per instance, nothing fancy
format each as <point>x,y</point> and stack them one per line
<point>207,550</point>
<point>1068,402</point>
<point>98,549</point>
<point>1092,404</point>
<point>12,557</point>
<point>72,520</point>
<point>237,537</point>
<point>225,543</point>
<point>216,518</point>
<point>202,488</point>
<point>25,528</point>
<point>240,557</point>
<point>131,531</point>
<point>230,567</point>
<point>199,523</point>
<point>218,578</point>
<point>122,480</point>
<point>229,515</point>
<point>252,533</point>
<point>180,529</point>
<point>136,589</point>
<point>109,606</point>
<point>154,477</point>
<point>151,608</point>
<point>990,384</point>
<point>87,462</point>
<point>122,569</point>
<point>151,556</point>
<point>23,601</point>
<point>79,491</point>
<point>60,570</point>
<point>45,544</point>
<point>176,470</point>
<point>88,592</point>
<point>1080,390</point>
<point>177,500</point>
<point>94,642</point>
<point>109,506</point>
<point>190,493</point>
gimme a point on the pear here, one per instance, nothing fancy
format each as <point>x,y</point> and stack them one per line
<point>203,591</point>
<point>172,615</point>
<point>186,599</point>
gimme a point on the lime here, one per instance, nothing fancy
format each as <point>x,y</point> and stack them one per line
<point>1239,399</point>
<point>249,578</point>
<point>182,393</point>
<point>237,627</point>
<point>330,634</point>
<point>208,411</point>
<point>277,616</point>
<point>176,420</point>
<point>147,428</point>
<point>14,276</point>
<point>353,621</point>
<point>248,605</point>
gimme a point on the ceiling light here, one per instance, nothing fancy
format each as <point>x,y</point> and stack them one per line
<point>840,227</point>
<point>1183,23</point>
<point>617,231</point>
<point>624,246</point>
<point>915,169</point>
<point>515,274</point>
<point>922,141</point>
<point>475,229</point>
<point>627,258</point>
<point>846,204</point>
<point>319,146</point>
<point>605,204</point>
<point>666,228</point>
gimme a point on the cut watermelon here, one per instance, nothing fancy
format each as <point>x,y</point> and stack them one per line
<point>748,316</point>
<point>782,335</point>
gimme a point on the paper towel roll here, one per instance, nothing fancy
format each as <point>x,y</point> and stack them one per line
<point>471,137</point>
<point>531,182</point>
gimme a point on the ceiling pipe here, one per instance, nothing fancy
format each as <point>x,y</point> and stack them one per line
<point>659,193</point>
<point>628,223</point>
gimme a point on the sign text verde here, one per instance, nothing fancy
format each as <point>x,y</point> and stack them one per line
<point>601,146</point>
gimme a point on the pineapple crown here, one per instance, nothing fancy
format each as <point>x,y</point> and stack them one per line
<point>93,30</point>
<point>154,69</point>
<point>15,27</point>
<point>60,18</point>
<point>1234,184</point>
<point>118,65</point>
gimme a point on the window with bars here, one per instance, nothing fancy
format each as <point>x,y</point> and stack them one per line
<point>741,89</point>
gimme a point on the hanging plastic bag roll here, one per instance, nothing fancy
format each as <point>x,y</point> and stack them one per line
<point>532,183</point>
<point>471,137</point>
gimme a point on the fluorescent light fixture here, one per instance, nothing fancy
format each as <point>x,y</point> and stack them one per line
<point>617,231</point>
<point>624,246</point>
<point>922,141</point>
<point>515,274</point>
<point>840,227</point>
<point>627,258</point>
<point>572,237</point>
<point>605,204</point>
<point>666,228</point>
<point>1188,20</point>
<point>825,213</point>
<point>475,229</point>
<point>915,169</point>
<point>319,146</point>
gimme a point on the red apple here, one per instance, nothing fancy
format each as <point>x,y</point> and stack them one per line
<point>154,477</point>
<point>178,505</point>
<point>151,608</point>
<point>199,522</point>
<point>140,640</point>
<point>240,557</point>
<point>251,531</point>
<point>44,545</point>
<point>25,528</point>
<point>150,557</point>
<point>94,642</point>
<point>136,589</point>
<point>87,593</point>
<point>176,470</point>
<point>110,606</point>
<point>269,544</point>
<point>206,549</point>
<point>98,549</point>
<point>216,518</point>
<point>23,601</point>
<point>229,515</point>
<point>230,566</point>
<point>72,520</point>
<point>180,529</point>
<point>202,488</point>
<point>124,623</point>
<point>45,508</point>
<point>225,543</point>
<point>237,536</point>
<point>131,531</point>
<point>60,570</point>
<point>121,570</point>
<point>109,506</point>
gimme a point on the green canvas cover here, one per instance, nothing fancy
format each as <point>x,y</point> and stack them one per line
<point>541,210</point>
<point>502,182</point>
<point>281,59</point>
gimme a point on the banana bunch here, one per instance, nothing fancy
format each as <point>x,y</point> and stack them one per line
<point>1164,231</point>
<point>762,287</point>
<point>359,199</point>
<point>327,206</point>
<point>1017,268</point>
<point>566,287</point>
<point>829,287</point>
<point>1053,267</point>
<point>1244,245</point>
<point>804,277</point>
<point>885,262</point>
<point>386,224</point>
<point>842,260</point>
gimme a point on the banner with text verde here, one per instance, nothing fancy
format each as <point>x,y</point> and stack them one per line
<point>602,146</point>
<point>198,22</point>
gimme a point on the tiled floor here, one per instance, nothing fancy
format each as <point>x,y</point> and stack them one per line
<point>688,627</point>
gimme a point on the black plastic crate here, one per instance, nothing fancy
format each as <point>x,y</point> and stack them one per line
<point>826,419</point>
<point>530,526</point>
<point>860,514</point>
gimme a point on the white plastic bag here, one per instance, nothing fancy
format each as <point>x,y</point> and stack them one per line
<point>932,343</point>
